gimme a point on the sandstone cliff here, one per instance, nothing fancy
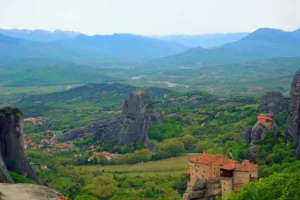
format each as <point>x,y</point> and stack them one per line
<point>293,121</point>
<point>132,126</point>
<point>12,155</point>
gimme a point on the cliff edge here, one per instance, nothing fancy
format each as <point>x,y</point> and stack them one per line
<point>293,121</point>
<point>12,157</point>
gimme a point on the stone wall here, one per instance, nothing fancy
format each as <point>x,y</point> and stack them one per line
<point>239,179</point>
<point>226,185</point>
<point>199,171</point>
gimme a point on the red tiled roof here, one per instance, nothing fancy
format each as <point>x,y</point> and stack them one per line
<point>52,149</point>
<point>245,167</point>
<point>187,172</point>
<point>65,145</point>
<point>212,159</point>
<point>52,141</point>
<point>33,144</point>
<point>264,117</point>
<point>97,154</point>
<point>108,154</point>
<point>223,162</point>
<point>48,131</point>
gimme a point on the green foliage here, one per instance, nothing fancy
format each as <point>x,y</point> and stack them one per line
<point>126,149</point>
<point>169,148</point>
<point>168,130</point>
<point>277,186</point>
<point>101,187</point>
<point>85,142</point>
<point>18,178</point>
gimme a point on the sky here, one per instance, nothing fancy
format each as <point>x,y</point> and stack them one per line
<point>150,17</point>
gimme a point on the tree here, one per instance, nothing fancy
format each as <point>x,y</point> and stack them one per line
<point>101,187</point>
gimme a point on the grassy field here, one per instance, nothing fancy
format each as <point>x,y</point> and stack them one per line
<point>161,167</point>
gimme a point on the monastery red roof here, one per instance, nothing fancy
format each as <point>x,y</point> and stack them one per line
<point>224,162</point>
<point>264,117</point>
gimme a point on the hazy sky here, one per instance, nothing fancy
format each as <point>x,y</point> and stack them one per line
<point>150,17</point>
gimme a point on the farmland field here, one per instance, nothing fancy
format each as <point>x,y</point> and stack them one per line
<point>166,166</point>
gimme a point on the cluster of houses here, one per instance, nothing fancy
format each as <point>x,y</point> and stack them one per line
<point>52,146</point>
<point>96,154</point>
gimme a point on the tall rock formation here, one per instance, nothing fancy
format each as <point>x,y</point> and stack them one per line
<point>132,126</point>
<point>12,155</point>
<point>271,101</point>
<point>293,121</point>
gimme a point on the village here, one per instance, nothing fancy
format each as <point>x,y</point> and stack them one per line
<point>53,145</point>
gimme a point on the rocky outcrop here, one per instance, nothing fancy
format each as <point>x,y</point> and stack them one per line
<point>258,133</point>
<point>293,121</point>
<point>132,126</point>
<point>271,101</point>
<point>12,156</point>
<point>28,192</point>
<point>204,190</point>
<point>260,130</point>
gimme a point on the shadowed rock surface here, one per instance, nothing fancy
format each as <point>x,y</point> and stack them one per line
<point>13,157</point>
<point>28,192</point>
<point>204,190</point>
<point>132,126</point>
<point>270,102</point>
<point>293,121</point>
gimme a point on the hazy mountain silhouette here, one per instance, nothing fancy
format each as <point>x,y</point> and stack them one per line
<point>126,47</point>
<point>262,43</point>
<point>205,40</point>
<point>39,35</point>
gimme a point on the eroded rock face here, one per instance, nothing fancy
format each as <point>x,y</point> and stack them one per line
<point>270,102</point>
<point>293,121</point>
<point>132,126</point>
<point>204,190</point>
<point>12,146</point>
<point>28,192</point>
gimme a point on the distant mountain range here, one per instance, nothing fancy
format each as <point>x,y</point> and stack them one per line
<point>204,40</point>
<point>85,49</point>
<point>61,47</point>
<point>39,35</point>
<point>124,47</point>
<point>262,43</point>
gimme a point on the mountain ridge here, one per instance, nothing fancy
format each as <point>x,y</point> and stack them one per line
<point>262,43</point>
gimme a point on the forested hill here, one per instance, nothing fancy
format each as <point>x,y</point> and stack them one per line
<point>262,43</point>
<point>106,96</point>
